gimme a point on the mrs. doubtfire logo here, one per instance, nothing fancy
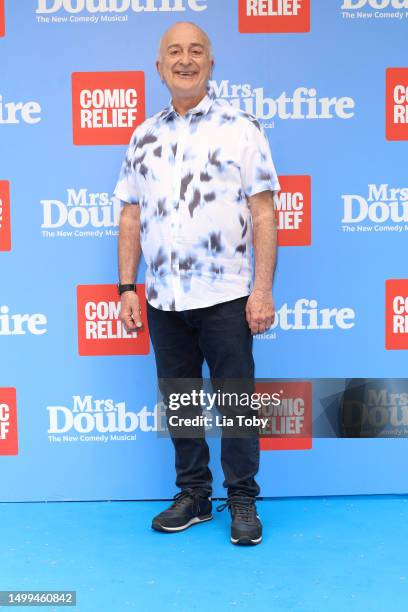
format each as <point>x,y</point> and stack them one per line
<point>106,106</point>
<point>374,9</point>
<point>95,11</point>
<point>14,113</point>
<point>80,213</point>
<point>274,16</point>
<point>383,208</point>
<point>301,103</point>
<point>88,419</point>
<point>100,330</point>
<point>375,409</point>
<point>307,315</point>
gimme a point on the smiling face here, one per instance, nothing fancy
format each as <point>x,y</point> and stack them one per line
<point>185,61</point>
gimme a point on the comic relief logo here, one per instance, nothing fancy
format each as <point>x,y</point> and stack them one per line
<point>293,211</point>
<point>2,19</point>
<point>8,421</point>
<point>305,315</point>
<point>384,209</point>
<point>81,214</point>
<point>13,113</point>
<point>374,9</point>
<point>274,16</point>
<point>5,231</point>
<point>396,314</point>
<point>21,324</point>
<point>289,423</point>
<point>396,103</point>
<point>100,331</point>
<point>87,419</point>
<point>107,106</point>
<point>303,103</point>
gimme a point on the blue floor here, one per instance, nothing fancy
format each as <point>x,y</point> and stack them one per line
<point>318,554</point>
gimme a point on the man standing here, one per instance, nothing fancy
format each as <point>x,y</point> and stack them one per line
<point>197,182</point>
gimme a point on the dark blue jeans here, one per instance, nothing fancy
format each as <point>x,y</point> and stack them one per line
<point>182,340</point>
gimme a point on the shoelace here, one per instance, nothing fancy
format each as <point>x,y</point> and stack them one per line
<point>185,496</point>
<point>241,507</point>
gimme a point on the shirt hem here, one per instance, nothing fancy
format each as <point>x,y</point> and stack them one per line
<point>205,304</point>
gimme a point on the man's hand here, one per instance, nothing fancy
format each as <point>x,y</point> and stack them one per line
<point>260,311</point>
<point>130,311</point>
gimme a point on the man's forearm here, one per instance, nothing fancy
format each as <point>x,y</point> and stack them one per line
<point>265,240</point>
<point>129,249</point>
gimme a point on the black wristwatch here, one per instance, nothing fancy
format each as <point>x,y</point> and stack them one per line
<point>123,288</point>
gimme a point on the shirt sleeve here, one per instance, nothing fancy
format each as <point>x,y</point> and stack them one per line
<point>127,188</point>
<point>257,168</point>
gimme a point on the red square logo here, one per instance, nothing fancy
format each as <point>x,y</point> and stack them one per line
<point>396,314</point>
<point>107,106</point>
<point>5,231</point>
<point>289,422</point>
<point>8,421</point>
<point>396,104</point>
<point>293,211</point>
<point>263,16</point>
<point>100,331</point>
<point>2,19</point>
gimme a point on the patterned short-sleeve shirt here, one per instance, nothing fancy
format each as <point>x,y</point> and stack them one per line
<point>191,177</point>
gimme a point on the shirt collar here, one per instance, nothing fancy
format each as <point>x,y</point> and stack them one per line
<point>202,107</point>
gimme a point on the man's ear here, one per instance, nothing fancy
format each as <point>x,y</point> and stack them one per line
<point>159,71</point>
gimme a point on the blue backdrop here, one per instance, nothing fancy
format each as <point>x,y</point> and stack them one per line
<point>342,56</point>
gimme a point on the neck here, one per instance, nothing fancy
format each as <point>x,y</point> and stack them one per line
<point>183,104</point>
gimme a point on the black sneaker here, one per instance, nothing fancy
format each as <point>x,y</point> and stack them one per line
<point>246,527</point>
<point>189,508</point>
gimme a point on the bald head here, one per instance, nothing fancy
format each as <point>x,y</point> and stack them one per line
<point>183,27</point>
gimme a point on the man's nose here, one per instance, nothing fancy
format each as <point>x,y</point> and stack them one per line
<point>186,59</point>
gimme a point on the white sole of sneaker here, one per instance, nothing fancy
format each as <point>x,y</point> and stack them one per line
<point>246,541</point>
<point>194,521</point>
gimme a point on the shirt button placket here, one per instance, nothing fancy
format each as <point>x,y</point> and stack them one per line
<point>182,133</point>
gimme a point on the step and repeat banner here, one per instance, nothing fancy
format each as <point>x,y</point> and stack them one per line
<point>328,80</point>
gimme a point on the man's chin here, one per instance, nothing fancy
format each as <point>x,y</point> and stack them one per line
<point>186,91</point>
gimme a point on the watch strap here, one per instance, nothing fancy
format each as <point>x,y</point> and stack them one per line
<point>127,287</point>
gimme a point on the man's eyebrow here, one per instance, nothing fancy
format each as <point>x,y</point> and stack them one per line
<point>195,44</point>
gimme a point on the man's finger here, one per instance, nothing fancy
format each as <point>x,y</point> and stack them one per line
<point>131,320</point>
<point>254,326</point>
<point>137,318</point>
<point>248,315</point>
<point>129,323</point>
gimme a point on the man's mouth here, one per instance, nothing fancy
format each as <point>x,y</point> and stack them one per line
<point>185,73</point>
